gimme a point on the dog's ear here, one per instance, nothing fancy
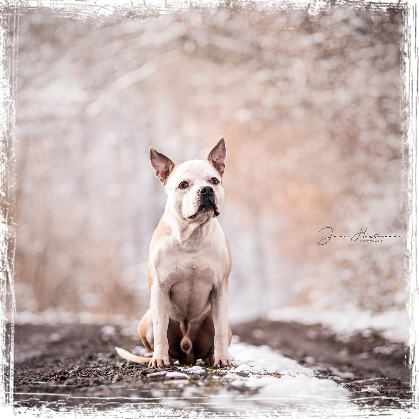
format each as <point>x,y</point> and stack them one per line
<point>161,164</point>
<point>217,156</point>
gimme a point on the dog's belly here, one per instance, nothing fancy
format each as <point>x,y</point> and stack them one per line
<point>189,296</point>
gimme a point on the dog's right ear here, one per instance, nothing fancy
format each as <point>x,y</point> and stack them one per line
<point>161,164</point>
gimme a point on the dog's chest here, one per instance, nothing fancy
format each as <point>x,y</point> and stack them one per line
<point>190,291</point>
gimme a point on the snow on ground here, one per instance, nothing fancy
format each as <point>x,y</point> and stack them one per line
<point>392,324</point>
<point>294,392</point>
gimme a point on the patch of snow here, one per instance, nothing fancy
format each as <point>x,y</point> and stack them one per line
<point>387,350</point>
<point>196,369</point>
<point>392,324</point>
<point>370,390</point>
<point>293,381</point>
<point>263,359</point>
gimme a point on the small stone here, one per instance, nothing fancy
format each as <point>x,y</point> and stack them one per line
<point>157,374</point>
<point>176,375</point>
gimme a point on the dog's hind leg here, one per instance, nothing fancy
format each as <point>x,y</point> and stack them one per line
<point>145,330</point>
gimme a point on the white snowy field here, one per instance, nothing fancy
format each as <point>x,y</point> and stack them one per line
<point>392,324</point>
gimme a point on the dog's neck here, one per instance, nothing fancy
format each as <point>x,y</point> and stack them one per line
<point>191,236</point>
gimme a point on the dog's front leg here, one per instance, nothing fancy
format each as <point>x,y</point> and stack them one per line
<point>219,306</point>
<point>160,302</point>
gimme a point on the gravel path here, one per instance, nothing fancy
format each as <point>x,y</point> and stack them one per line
<point>68,366</point>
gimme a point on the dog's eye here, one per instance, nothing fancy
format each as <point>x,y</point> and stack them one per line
<point>183,185</point>
<point>214,181</point>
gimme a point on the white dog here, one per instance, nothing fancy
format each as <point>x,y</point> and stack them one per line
<point>189,265</point>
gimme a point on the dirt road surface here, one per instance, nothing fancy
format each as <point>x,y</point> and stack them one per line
<point>76,366</point>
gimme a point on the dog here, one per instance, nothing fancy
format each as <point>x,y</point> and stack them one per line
<point>189,266</point>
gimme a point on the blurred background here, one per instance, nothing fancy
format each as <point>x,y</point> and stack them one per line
<point>309,106</point>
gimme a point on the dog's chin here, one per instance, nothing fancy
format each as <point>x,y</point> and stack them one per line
<point>206,210</point>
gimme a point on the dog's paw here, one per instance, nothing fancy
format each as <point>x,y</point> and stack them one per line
<point>159,362</point>
<point>222,362</point>
<point>209,360</point>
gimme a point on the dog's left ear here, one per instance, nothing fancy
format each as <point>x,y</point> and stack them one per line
<point>161,164</point>
<point>217,156</point>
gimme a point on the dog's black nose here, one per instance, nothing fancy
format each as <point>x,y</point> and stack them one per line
<point>206,191</point>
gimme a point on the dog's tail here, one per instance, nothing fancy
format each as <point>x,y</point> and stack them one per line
<point>131,357</point>
<point>185,343</point>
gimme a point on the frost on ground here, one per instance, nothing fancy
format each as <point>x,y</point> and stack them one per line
<point>283,388</point>
<point>392,324</point>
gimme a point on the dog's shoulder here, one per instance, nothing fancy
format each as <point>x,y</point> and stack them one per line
<point>162,231</point>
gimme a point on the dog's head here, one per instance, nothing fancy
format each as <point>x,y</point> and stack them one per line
<point>194,188</point>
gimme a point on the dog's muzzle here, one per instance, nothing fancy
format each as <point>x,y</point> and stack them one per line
<point>206,201</point>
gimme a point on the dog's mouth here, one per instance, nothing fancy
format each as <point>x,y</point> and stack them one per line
<point>206,205</point>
